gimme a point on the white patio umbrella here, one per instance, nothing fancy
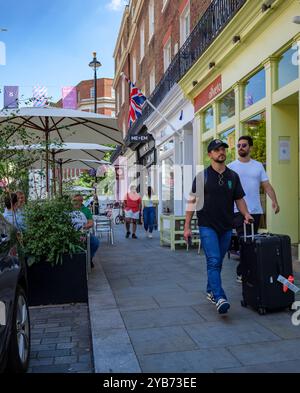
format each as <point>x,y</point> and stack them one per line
<point>74,155</point>
<point>63,125</point>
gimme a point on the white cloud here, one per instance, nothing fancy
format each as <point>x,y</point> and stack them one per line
<point>115,5</point>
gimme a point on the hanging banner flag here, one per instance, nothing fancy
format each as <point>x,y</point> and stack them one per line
<point>40,96</point>
<point>11,97</point>
<point>69,97</point>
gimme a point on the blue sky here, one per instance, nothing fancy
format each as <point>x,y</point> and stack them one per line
<point>50,43</point>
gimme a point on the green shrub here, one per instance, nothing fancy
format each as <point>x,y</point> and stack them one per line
<point>49,231</point>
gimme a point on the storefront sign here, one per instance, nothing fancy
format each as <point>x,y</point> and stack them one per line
<point>138,138</point>
<point>284,149</point>
<point>208,94</point>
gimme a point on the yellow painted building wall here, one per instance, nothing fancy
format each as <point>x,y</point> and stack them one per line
<point>263,35</point>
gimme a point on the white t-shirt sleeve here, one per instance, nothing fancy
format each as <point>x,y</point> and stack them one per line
<point>263,174</point>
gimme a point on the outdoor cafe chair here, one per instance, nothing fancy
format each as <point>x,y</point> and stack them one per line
<point>104,225</point>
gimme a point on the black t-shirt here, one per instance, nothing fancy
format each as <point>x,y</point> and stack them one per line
<point>220,192</point>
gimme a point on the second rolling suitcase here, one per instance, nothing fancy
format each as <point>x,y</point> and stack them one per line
<point>263,258</point>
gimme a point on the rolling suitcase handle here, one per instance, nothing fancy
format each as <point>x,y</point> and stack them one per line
<point>252,231</point>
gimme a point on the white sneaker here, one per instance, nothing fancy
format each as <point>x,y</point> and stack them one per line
<point>210,297</point>
<point>222,306</point>
<point>150,236</point>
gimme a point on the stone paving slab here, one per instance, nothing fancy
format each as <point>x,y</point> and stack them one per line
<point>275,367</point>
<point>61,339</point>
<point>228,332</point>
<point>274,351</point>
<point>161,317</point>
<point>162,322</point>
<point>197,361</point>
<point>164,339</point>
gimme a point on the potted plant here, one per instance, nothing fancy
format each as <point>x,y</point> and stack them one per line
<point>55,254</point>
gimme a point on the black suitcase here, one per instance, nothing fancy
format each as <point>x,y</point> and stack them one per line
<point>263,258</point>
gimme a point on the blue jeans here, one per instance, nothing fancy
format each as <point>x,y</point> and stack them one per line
<point>215,247</point>
<point>149,218</point>
<point>94,243</point>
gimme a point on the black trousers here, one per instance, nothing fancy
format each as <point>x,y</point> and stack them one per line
<point>238,224</point>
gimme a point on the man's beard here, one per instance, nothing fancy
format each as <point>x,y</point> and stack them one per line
<point>220,159</point>
<point>243,153</point>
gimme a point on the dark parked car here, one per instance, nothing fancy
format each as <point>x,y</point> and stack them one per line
<point>14,314</point>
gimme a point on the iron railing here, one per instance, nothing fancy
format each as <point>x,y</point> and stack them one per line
<point>213,21</point>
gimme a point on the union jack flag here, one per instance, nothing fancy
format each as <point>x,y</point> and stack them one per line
<point>136,102</point>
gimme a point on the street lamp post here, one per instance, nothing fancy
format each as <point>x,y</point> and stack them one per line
<point>95,64</point>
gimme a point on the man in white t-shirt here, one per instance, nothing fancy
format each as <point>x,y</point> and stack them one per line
<point>252,175</point>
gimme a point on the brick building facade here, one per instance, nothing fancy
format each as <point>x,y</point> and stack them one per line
<point>105,99</point>
<point>158,28</point>
<point>85,96</point>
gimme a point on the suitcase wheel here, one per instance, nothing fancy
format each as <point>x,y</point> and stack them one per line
<point>261,311</point>
<point>243,303</point>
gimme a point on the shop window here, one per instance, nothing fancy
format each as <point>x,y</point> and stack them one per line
<point>228,136</point>
<point>206,159</point>
<point>255,88</point>
<point>256,128</point>
<point>208,119</point>
<point>166,147</point>
<point>288,69</point>
<point>227,106</point>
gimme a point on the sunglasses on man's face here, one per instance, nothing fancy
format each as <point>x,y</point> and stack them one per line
<point>243,145</point>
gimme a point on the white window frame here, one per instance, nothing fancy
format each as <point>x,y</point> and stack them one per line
<point>118,102</point>
<point>165,3</point>
<point>123,91</point>
<point>184,30</point>
<point>167,54</point>
<point>176,48</point>
<point>124,128</point>
<point>142,41</point>
<point>92,92</point>
<point>152,80</point>
<point>134,69</point>
<point>113,93</point>
<point>151,19</point>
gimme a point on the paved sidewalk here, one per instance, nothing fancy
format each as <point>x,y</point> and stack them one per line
<point>149,313</point>
<point>60,339</point>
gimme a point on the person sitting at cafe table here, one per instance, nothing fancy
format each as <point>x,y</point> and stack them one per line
<point>94,241</point>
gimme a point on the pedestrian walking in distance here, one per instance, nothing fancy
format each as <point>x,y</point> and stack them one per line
<point>253,176</point>
<point>132,208</point>
<point>150,202</point>
<point>213,194</point>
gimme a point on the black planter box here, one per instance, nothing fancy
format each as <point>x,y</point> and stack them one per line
<point>58,284</point>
